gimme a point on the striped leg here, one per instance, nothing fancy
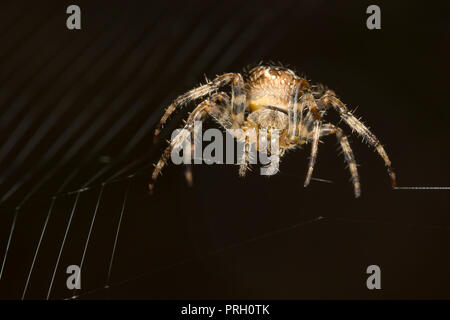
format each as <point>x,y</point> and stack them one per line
<point>188,175</point>
<point>202,91</point>
<point>238,100</point>
<point>295,110</point>
<point>329,128</point>
<point>314,151</point>
<point>221,114</point>
<point>330,99</point>
<point>312,107</point>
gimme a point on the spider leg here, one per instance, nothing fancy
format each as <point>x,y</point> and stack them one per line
<point>222,116</point>
<point>245,159</point>
<point>238,100</point>
<point>329,128</point>
<point>220,110</point>
<point>188,175</point>
<point>360,128</point>
<point>305,127</point>
<point>228,120</point>
<point>199,92</point>
<point>204,108</point>
<point>314,151</point>
<point>312,106</point>
<point>295,108</point>
<point>293,114</point>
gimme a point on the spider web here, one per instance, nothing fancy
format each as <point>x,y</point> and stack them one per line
<point>90,218</point>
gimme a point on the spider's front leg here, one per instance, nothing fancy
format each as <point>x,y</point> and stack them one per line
<point>210,106</point>
<point>310,102</point>
<point>238,100</point>
<point>245,158</point>
<point>329,128</point>
<point>329,98</point>
<point>188,175</point>
<point>295,109</point>
<point>237,84</point>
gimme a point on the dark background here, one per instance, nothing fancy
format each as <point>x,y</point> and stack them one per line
<point>78,109</point>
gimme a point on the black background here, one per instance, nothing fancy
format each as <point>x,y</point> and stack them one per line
<point>78,109</point>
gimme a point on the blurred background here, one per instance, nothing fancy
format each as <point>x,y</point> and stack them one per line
<point>78,110</point>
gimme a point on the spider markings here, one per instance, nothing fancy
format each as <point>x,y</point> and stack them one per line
<point>271,98</point>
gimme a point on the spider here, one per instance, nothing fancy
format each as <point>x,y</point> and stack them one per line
<point>272,97</point>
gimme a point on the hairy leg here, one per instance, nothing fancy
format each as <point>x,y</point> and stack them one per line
<point>329,98</point>
<point>329,128</point>
<point>188,174</point>
<point>312,107</point>
<point>245,159</point>
<point>314,151</point>
<point>198,114</point>
<point>295,109</point>
<point>199,92</point>
<point>238,100</point>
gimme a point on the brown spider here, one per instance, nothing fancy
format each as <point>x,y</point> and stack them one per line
<point>272,97</point>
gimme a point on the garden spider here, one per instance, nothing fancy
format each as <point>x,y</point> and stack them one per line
<point>272,97</point>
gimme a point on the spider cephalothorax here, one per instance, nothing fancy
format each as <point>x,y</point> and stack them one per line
<point>268,98</point>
